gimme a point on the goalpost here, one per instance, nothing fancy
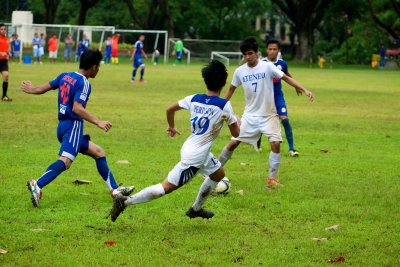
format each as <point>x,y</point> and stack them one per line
<point>220,54</point>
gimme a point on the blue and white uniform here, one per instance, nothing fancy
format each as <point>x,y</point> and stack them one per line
<point>207,115</point>
<point>260,116</point>
<point>35,46</point>
<point>16,48</point>
<point>137,57</point>
<point>72,86</point>
<point>280,102</point>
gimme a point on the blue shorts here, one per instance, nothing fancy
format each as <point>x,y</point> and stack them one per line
<point>280,105</point>
<point>70,135</point>
<point>138,62</point>
<point>179,54</point>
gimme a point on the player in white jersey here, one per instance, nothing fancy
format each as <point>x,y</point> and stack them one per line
<point>260,115</point>
<point>207,115</point>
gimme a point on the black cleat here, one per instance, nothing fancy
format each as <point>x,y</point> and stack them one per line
<point>205,214</point>
<point>118,207</point>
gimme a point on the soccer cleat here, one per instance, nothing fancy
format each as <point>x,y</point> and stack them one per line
<point>293,153</point>
<point>118,207</point>
<point>274,181</point>
<point>123,191</point>
<point>142,81</point>
<point>133,81</point>
<point>36,193</point>
<point>205,214</point>
<point>6,99</point>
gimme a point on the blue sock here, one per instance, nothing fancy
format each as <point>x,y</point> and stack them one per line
<point>141,74</point>
<point>51,173</point>
<point>105,172</point>
<point>288,133</point>
<point>133,74</point>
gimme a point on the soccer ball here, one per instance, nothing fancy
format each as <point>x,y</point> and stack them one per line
<point>223,186</point>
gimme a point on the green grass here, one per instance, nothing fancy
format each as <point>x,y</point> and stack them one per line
<point>356,184</point>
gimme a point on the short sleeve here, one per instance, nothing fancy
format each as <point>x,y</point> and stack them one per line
<point>185,103</point>
<point>236,79</point>
<point>275,72</point>
<point>230,115</point>
<point>56,82</point>
<point>82,92</point>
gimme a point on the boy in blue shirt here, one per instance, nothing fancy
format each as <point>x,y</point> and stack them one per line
<point>73,94</point>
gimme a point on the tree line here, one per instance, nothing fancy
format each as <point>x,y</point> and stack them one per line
<point>349,31</point>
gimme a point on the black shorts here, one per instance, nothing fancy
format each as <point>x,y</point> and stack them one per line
<point>3,65</point>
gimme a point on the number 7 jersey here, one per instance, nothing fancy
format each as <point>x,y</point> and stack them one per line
<point>258,87</point>
<point>207,115</point>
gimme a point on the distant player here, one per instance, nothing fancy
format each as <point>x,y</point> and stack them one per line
<point>178,52</point>
<point>83,45</point>
<point>52,46</point>
<point>260,116</point>
<point>35,48</point>
<point>273,56</point>
<point>107,52</point>
<point>207,115</point>
<point>73,94</point>
<point>136,57</point>
<point>114,48</point>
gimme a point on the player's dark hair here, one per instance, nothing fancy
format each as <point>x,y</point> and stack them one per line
<point>90,58</point>
<point>214,75</point>
<point>274,41</point>
<point>249,43</point>
<point>2,25</point>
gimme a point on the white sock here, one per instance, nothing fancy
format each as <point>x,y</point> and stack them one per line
<point>147,194</point>
<point>274,161</point>
<point>224,156</point>
<point>205,189</point>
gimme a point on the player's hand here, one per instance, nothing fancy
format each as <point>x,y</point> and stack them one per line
<point>105,125</point>
<point>309,95</point>
<point>171,131</point>
<point>131,59</point>
<point>26,86</point>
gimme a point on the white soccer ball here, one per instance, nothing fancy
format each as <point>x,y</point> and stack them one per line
<point>223,186</point>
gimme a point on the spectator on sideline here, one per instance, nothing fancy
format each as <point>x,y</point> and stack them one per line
<point>15,48</point>
<point>42,43</point>
<point>35,47</point>
<point>68,42</point>
<point>83,45</point>
<point>382,54</point>
<point>4,55</point>
<point>52,47</point>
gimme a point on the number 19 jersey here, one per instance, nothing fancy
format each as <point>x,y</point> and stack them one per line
<point>207,115</point>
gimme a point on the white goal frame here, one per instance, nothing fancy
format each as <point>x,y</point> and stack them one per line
<point>220,54</point>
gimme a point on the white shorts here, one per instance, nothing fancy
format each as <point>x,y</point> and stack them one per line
<point>252,127</point>
<point>52,54</point>
<point>183,173</point>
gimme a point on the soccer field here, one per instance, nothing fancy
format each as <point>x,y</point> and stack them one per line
<point>347,174</point>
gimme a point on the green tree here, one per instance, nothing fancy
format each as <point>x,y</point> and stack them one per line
<point>386,14</point>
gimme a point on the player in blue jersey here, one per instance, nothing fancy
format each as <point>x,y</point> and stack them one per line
<point>73,94</point>
<point>273,52</point>
<point>15,47</point>
<point>136,57</point>
<point>207,115</point>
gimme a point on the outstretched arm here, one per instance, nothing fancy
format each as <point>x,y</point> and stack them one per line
<point>230,92</point>
<point>171,130</point>
<point>80,110</point>
<point>28,88</point>
<point>299,88</point>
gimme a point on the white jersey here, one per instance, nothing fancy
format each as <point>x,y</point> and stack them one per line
<point>258,87</point>
<point>207,115</point>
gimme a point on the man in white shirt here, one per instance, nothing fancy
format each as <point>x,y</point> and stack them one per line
<point>260,115</point>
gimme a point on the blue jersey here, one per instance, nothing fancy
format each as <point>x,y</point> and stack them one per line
<point>72,87</point>
<point>139,48</point>
<point>36,42</point>
<point>16,45</point>
<point>281,65</point>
